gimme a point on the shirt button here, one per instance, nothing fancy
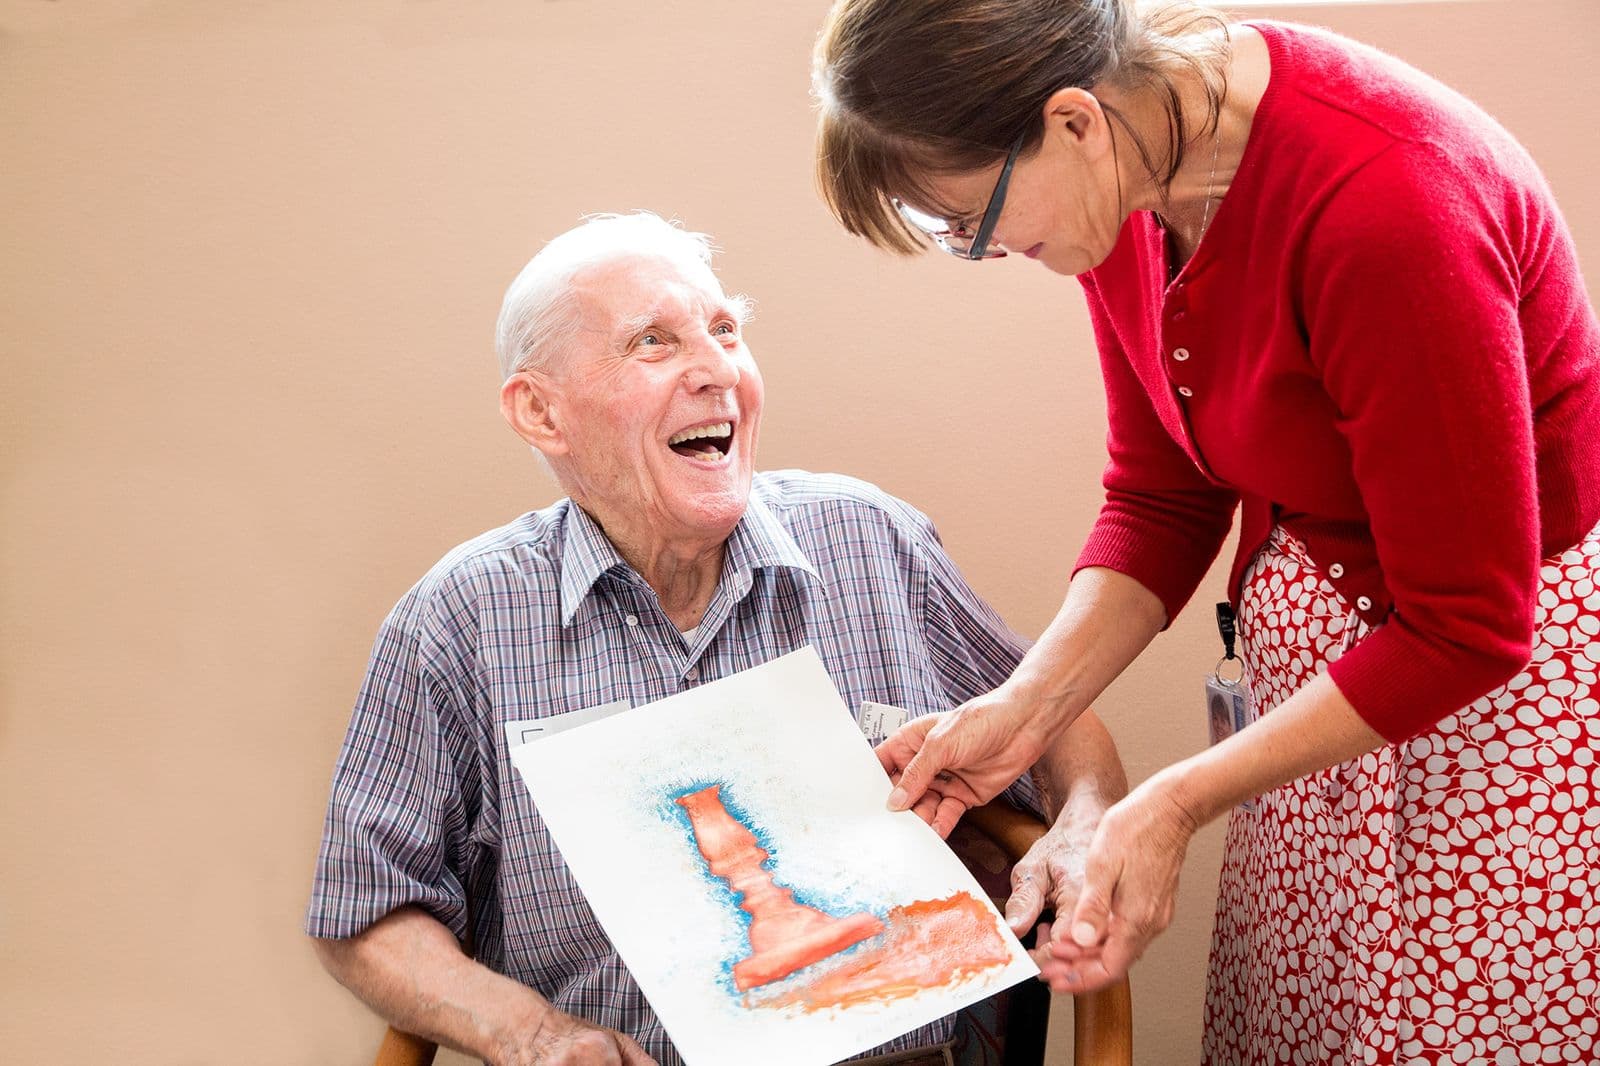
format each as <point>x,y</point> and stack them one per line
<point>1362,603</point>
<point>1336,571</point>
<point>632,619</point>
<point>1185,391</point>
<point>691,673</point>
<point>1180,354</point>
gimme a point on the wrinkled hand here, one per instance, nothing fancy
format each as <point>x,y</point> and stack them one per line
<point>1049,877</point>
<point>565,1040</point>
<point>944,764</point>
<point>1130,882</point>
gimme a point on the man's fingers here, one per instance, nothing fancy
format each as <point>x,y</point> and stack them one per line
<point>632,1053</point>
<point>1064,896</point>
<point>1026,903</point>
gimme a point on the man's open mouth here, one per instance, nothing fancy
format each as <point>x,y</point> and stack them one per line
<point>707,443</point>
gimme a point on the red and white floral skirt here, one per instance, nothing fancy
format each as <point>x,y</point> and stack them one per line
<point>1436,901</point>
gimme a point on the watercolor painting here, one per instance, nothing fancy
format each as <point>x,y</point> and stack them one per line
<point>742,861</point>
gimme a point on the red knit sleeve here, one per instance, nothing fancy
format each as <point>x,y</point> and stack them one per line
<point>1410,286</point>
<point>1163,520</point>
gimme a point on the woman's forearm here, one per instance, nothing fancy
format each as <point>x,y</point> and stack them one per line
<point>1312,730</point>
<point>1106,620</point>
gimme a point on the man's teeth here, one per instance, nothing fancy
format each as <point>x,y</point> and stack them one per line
<point>720,429</point>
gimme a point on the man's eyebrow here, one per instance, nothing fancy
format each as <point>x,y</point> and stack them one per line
<point>634,323</point>
<point>737,308</point>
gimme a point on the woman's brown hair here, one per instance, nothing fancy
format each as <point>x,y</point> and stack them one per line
<point>911,88</point>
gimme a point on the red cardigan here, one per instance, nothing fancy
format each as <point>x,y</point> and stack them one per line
<point>1383,344</point>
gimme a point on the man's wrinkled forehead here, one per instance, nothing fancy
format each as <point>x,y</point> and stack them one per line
<point>625,293</point>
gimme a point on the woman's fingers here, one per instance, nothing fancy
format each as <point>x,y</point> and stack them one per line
<point>918,772</point>
<point>926,807</point>
<point>1091,915</point>
<point>901,746</point>
<point>1076,976</point>
<point>947,814</point>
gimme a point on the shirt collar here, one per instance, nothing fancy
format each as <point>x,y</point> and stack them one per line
<point>759,541</point>
<point>586,553</point>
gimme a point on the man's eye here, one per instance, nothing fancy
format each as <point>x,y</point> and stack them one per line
<point>649,339</point>
<point>725,329</point>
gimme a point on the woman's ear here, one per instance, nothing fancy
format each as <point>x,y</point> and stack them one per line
<point>528,404</point>
<point>1077,116</point>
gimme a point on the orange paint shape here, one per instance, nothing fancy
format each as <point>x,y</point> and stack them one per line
<point>930,944</point>
<point>785,936</point>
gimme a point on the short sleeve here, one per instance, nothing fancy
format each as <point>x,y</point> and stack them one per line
<point>399,818</point>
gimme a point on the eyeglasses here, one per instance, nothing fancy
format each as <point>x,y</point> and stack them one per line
<point>954,238</point>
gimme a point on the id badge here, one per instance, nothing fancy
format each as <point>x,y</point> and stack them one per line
<point>1229,709</point>
<point>878,720</point>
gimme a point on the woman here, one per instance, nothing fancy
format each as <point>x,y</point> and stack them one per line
<point>1329,291</point>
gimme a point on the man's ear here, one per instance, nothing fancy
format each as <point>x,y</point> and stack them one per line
<point>527,403</point>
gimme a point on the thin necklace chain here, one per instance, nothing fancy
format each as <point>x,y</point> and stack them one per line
<point>1205,218</point>
<point>1216,148</point>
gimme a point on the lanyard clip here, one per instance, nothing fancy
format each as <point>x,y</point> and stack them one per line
<point>1226,627</point>
<point>1229,630</point>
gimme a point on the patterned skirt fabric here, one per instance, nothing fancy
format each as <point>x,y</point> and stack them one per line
<point>1436,901</point>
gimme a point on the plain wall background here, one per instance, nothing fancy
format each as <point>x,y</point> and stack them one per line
<point>253,255</point>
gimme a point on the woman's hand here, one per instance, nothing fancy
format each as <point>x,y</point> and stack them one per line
<point>1130,882</point>
<point>942,765</point>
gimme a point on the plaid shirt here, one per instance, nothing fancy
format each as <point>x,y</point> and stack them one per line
<point>542,617</point>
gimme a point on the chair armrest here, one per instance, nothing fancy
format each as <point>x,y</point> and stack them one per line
<point>1102,1021</point>
<point>403,1049</point>
<point>1102,1026</point>
<point>1014,830</point>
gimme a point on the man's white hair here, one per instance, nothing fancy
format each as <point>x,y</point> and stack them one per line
<point>540,310</point>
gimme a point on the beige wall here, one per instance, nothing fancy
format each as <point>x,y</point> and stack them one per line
<point>252,257</point>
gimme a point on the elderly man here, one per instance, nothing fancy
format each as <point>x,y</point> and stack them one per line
<point>669,564</point>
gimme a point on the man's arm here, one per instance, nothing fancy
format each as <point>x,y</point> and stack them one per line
<point>409,968</point>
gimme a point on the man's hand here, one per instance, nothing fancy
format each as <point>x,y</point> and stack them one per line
<point>944,764</point>
<point>1049,877</point>
<point>565,1040</point>
<point>1129,886</point>
<point>410,969</point>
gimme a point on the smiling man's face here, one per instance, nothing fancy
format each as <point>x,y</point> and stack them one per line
<point>657,401</point>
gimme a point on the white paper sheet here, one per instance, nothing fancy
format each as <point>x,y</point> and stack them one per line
<point>789,764</point>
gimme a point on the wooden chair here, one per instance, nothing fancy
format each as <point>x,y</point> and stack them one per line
<point>989,840</point>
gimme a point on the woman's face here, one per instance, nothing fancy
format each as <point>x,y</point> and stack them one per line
<point>1062,203</point>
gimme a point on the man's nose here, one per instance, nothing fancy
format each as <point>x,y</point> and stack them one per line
<point>712,365</point>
